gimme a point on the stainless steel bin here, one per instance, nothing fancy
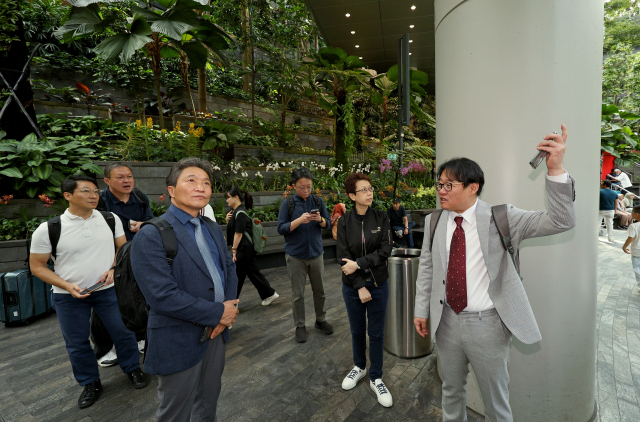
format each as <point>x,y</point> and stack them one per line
<point>400,336</point>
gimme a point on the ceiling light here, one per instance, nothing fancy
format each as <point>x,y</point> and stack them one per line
<point>409,53</point>
<point>359,58</point>
<point>347,15</point>
<point>411,26</point>
<point>357,46</point>
<point>413,8</point>
<point>353,32</point>
<point>410,40</point>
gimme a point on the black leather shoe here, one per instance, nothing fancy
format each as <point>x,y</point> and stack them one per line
<point>90,394</point>
<point>301,334</point>
<point>137,378</point>
<point>324,326</point>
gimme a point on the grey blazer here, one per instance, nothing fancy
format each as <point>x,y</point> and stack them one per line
<point>505,287</point>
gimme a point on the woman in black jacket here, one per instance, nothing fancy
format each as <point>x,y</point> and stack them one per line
<point>364,244</point>
<point>244,255</point>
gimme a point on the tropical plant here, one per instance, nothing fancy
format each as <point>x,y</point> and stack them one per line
<point>341,74</point>
<point>218,135</point>
<point>616,138</point>
<point>386,87</point>
<point>41,166</point>
<point>162,29</point>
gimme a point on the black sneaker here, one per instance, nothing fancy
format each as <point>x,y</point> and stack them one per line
<point>324,326</point>
<point>301,334</point>
<point>137,378</point>
<point>90,394</point>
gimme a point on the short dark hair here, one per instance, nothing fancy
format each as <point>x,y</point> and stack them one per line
<point>463,170</point>
<point>606,183</point>
<point>176,170</point>
<point>112,166</point>
<point>71,183</point>
<point>243,196</point>
<point>636,209</point>
<point>352,179</point>
<point>397,201</point>
<point>300,173</point>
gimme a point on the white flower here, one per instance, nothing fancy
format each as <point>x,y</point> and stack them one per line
<point>283,164</point>
<point>216,168</point>
<point>244,174</point>
<point>258,174</point>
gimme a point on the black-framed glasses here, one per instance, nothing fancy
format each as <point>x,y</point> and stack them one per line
<point>369,189</point>
<point>87,192</point>
<point>447,186</point>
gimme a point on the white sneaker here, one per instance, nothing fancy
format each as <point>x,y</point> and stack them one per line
<point>109,359</point>
<point>270,299</point>
<point>399,233</point>
<point>351,380</point>
<point>141,346</point>
<point>384,396</point>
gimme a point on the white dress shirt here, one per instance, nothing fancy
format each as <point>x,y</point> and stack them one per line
<point>624,180</point>
<point>477,275</point>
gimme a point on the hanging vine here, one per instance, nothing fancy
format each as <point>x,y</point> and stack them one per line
<point>348,118</point>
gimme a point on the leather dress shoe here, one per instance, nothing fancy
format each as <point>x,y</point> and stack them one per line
<point>90,394</point>
<point>301,334</point>
<point>324,326</point>
<point>137,378</point>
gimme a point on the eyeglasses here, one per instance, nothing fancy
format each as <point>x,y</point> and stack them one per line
<point>304,187</point>
<point>446,186</point>
<point>88,192</point>
<point>369,189</point>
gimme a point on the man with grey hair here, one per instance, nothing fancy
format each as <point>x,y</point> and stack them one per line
<point>192,299</point>
<point>131,205</point>
<point>300,220</point>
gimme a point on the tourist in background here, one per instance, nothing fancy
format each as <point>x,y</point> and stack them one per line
<point>239,230</point>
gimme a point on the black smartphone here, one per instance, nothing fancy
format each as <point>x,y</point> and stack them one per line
<point>93,288</point>
<point>316,211</point>
<point>206,334</point>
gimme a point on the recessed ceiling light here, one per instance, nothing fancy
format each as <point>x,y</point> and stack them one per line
<point>360,58</point>
<point>347,15</point>
<point>411,26</point>
<point>409,53</point>
<point>413,8</point>
<point>353,32</point>
<point>357,46</point>
<point>410,40</point>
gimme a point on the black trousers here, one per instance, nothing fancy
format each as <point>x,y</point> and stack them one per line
<point>247,266</point>
<point>100,337</point>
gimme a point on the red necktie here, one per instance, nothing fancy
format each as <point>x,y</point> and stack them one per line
<point>457,270</point>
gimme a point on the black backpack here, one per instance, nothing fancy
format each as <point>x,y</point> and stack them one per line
<point>501,219</point>
<point>133,306</point>
<point>291,204</point>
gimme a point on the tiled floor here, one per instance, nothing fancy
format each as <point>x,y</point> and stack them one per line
<point>269,377</point>
<point>618,325</point>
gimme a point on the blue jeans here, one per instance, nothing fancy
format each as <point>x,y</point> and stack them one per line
<point>409,236</point>
<point>358,312</point>
<point>73,315</point>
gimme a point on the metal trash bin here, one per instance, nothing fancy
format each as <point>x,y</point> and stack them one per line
<point>400,336</point>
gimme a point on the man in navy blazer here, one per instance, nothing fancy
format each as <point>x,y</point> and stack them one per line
<point>198,290</point>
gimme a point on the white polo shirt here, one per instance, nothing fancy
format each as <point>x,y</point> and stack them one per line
<point>85,250</point>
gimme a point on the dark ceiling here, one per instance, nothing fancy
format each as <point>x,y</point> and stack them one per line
<point>378,24</point>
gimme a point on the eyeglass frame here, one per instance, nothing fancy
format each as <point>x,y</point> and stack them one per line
<point>369,189</point>
<point>88,192</point>
<point>438,186</point>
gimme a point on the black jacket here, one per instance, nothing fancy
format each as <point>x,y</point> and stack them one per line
<point>370,256</point>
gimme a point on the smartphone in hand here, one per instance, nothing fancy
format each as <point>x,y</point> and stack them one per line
<point>93,288</point>
<point>316,211</point>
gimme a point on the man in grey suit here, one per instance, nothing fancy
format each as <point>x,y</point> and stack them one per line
<point>190,299</point>
<point>468,284</point>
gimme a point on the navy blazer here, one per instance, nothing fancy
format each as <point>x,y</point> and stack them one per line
<point>179,296</point>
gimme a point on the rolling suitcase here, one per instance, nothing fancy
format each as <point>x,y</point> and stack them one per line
<point>24,297</point>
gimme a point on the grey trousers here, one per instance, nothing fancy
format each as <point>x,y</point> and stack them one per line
<point>192,394</point>
<point>298,270</point>
<point>479,338</point>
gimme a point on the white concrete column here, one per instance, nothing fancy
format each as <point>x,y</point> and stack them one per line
<point>508,72</point>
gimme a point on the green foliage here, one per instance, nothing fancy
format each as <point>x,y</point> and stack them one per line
<point>38,167</point>
<point>9,17</point>
<point>621,24</point>
<point>616,138</point>
<point>219,135</point>
<point>15,229</point>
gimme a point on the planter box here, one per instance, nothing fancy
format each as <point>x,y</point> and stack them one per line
<point>51,107</point>
<point>12,255</point>
<point>35,207</point>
